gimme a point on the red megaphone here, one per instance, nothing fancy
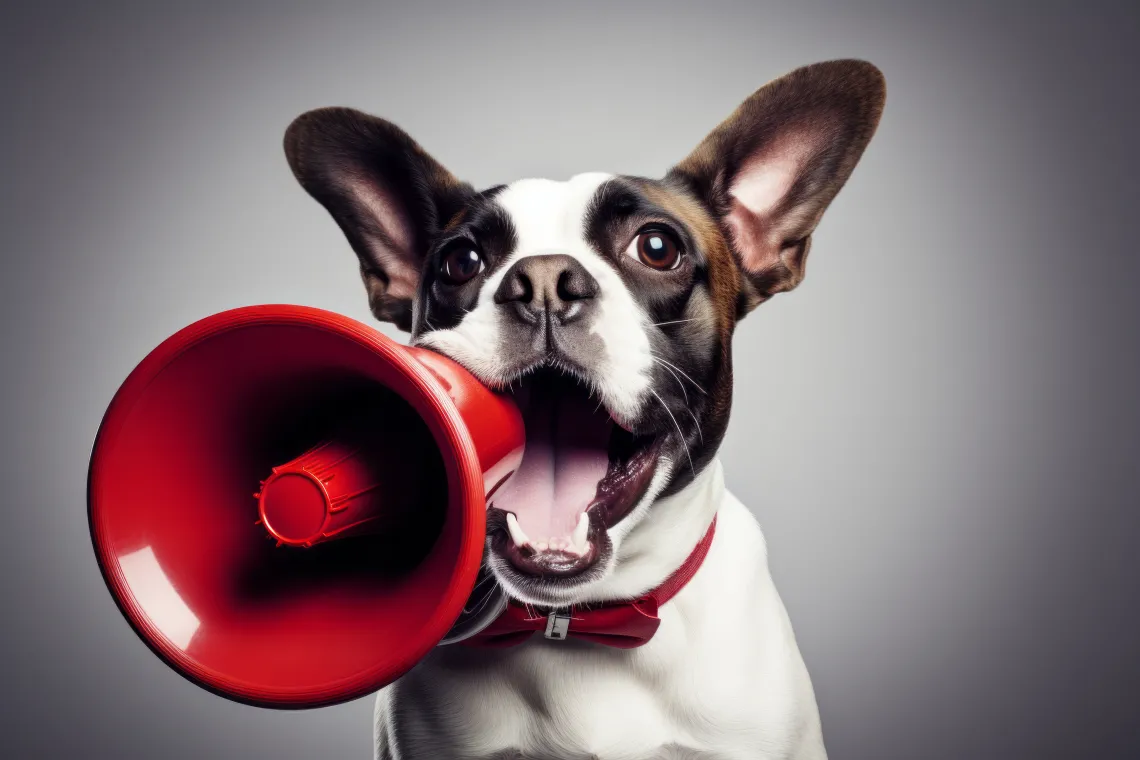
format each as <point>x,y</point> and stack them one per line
<point>290,508</point>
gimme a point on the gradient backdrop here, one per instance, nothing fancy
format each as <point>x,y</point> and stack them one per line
<point>948,480</point>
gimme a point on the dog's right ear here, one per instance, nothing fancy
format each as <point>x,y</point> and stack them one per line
<point>769,170</point>
<point>386,193</point>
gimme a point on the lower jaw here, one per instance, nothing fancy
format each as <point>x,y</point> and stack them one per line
<point>617,496</point>
<point>549,589</point>
<point>549,564</point>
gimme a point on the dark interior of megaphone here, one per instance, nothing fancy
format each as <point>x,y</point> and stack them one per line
<point>389,445</point>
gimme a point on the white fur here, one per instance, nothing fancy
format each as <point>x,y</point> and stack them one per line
<point>549,217</point>
<point>722,678</point>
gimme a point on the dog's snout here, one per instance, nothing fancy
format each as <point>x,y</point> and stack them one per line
<point>554,285</point>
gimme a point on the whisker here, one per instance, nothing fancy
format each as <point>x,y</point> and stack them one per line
<point>478,605</point>
<point>674,366</point>
<point>483,580</point>
<point>482,605</point>
<point>674,374</point>
<point>698,424</point>
<point>674,322</point>
<point>427,316</point>
<point>683,442</point>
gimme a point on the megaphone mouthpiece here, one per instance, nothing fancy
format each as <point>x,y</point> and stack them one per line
<point>347,485</point>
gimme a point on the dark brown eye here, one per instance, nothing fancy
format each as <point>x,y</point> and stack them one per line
<point>460,263</point>
<point>656,248</point>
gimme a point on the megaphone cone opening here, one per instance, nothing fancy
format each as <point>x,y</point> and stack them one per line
<point>199,427</point>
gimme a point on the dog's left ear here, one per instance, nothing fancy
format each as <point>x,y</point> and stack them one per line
<point>770,170</point>
<point>386,193</point>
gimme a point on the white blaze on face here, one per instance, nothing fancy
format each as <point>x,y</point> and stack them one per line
<point>549,218</point>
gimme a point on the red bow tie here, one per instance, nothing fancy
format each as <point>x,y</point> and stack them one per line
<point>623,624</point>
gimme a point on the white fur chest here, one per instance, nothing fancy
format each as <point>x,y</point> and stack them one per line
<point>722,678</point>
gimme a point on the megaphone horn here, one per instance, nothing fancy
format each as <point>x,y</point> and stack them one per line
<point>290,508</point>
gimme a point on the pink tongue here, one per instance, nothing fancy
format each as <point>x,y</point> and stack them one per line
<point>566,440</point>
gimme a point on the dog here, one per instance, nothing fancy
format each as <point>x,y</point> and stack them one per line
<point>606,305</point>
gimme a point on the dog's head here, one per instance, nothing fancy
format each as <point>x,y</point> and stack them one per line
<point>606,304</point>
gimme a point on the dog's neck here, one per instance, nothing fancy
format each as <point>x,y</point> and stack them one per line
<point>664,538</point>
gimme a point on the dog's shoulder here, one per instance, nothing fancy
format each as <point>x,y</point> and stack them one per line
<point>739,646</point>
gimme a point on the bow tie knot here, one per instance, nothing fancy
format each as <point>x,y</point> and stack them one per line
<point>624,626</point>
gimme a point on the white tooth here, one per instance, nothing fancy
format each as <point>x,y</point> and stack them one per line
<point>517,534</point>
<point>580,532</point>
<point>540,546</point>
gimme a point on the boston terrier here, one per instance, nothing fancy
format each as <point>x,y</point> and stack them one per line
<point>638,618</point>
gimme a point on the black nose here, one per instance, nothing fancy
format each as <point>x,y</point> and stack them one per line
<point>554,285</point>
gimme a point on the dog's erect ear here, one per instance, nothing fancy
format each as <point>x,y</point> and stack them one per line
<point>770,169</point>
<point>386,193</point>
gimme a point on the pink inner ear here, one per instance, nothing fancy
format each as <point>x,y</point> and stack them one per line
<point>760,219</point>
<point>764,180</point>
<point>748,235</point>
<point>396,260</point>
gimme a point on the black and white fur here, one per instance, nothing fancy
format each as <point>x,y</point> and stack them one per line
<point>559,284</point>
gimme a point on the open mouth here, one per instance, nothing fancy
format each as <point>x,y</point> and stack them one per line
<point>581,474</point>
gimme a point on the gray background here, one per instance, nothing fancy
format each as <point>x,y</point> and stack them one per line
<point>948,481</point>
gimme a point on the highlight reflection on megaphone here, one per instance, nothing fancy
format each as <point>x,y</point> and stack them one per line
<point>290,508</point>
